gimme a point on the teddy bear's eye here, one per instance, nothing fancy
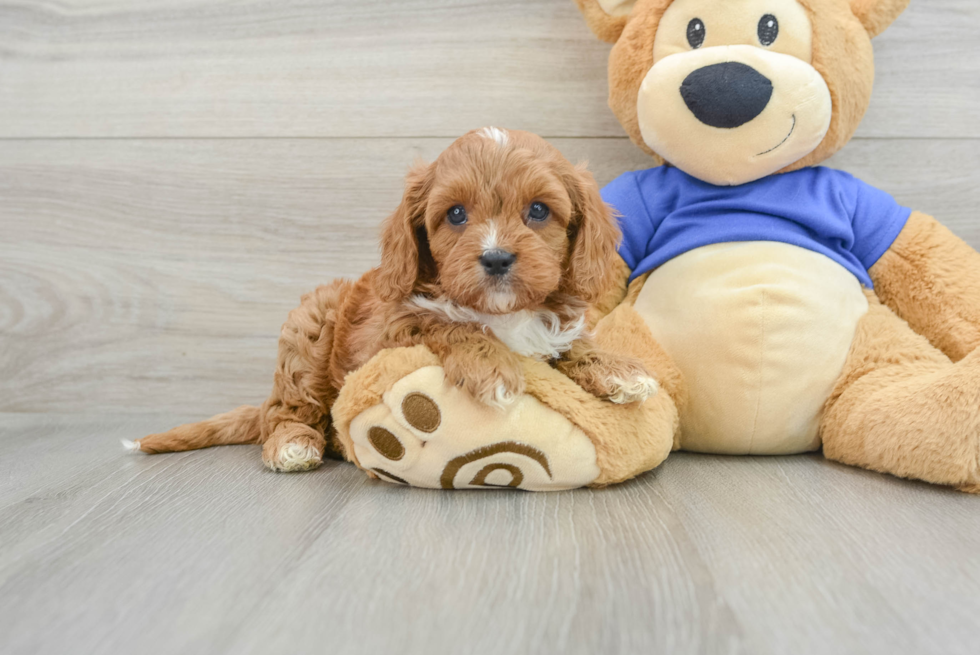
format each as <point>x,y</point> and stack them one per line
<point>695,33</point>
<point>768,29</point>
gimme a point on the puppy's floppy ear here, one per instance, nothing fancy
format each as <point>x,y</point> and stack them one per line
<point>405,255</point>
<point>877,15</point>
<point>606,18</point>
<point>594,236</point>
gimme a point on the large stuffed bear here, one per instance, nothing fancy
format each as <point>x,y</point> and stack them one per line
<point>784,307</point>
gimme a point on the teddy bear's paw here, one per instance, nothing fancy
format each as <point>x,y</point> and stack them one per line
<point>427,432</point>
<point>635,389</point>
<point>970,488</point>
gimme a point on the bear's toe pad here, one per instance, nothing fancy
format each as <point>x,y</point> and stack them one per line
<point>428,433</point>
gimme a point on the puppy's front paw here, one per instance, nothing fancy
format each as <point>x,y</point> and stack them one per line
<point>635,389</point>
<point>620,380</point>
<point>295,457</point>
<point>293,448</point>
<point>493,382</point>
<point>496,386</point>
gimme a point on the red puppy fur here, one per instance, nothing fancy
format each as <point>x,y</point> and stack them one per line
<point>495,251</point>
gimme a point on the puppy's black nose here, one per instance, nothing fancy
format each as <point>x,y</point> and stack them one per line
<point>497,262</point>
<point>726,95</point>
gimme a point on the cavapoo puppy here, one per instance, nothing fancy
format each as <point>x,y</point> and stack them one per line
<point>495,251</point>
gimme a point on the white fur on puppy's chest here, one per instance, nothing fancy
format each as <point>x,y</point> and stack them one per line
<point>760,331</point>
<point>536,334</point>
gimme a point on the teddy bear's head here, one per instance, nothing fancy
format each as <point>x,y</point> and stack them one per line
<point>730,91</point>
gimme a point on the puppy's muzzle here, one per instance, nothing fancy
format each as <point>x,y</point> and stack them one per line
<point>726,95</point>
<point>497,262</point>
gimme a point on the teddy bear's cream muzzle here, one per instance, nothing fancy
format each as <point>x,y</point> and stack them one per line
<point>733,114</point>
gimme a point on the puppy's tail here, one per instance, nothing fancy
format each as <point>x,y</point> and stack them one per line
<point>235,427</point>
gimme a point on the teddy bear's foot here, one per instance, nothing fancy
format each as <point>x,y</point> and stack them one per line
<point>902,407</point>
<point>398,418</point>
<point>427,432</point>
<point>293,447</point>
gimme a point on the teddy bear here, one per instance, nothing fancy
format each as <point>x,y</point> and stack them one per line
<point>784,307</point>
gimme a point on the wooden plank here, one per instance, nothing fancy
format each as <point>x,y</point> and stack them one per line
<point>380,68</point>
<point>869,563</point>
<point>927,73</point>
<point>209,552</point>
<point>154,275</point>
<point>128,553</point>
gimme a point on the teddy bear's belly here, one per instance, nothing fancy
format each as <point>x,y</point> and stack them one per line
<point>760,331</point>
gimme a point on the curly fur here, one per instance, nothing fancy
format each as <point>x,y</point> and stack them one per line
<point>431,289</point>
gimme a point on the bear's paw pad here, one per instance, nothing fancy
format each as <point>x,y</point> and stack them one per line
<point>428,433</point>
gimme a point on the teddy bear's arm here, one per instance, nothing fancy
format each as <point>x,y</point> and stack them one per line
<point>931,278</point>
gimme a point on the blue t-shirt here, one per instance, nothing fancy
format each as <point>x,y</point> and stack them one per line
<point>665,212</point>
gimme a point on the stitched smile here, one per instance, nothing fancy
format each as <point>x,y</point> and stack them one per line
<point>781,142</point>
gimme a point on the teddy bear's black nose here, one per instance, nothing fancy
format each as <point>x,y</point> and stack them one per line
<point>727,94</point>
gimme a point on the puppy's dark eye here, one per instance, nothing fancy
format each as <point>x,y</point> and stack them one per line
<point>695,33</point>
<point>538,211</point>
<point>456,215</point>
<point>768,29</point>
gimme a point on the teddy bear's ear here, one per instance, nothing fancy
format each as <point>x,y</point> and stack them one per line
<point>876,15</point>
<point>606,18</point>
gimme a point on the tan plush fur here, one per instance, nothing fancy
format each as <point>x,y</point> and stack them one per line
<point>902,407</point>
<point>434,287</point>
<point>908,399</point>
<point>876,15</point>
<point>368,384</point>
<point>841,53</point>
<point>606,27</point>
<point>629,439</point>
<point>931,278</point>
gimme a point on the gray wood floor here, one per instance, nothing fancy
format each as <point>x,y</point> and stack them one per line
<point>173,175</point>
